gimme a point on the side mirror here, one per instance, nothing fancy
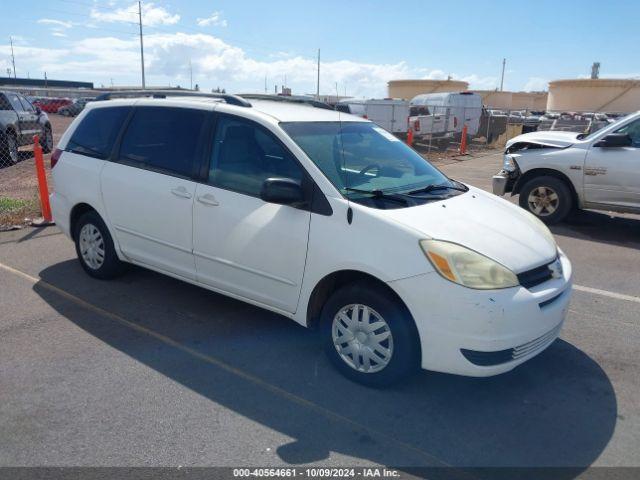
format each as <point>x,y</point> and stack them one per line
<point>614,140</point>
<point>283,191</point>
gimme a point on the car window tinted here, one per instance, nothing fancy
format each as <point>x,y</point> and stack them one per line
<point>26,105</point>
<point>97,132</point>
<point>4,103</point>
<point>245,155</point>
<point>163,138</point>
<point>633,130</point>
<point>15,101</point>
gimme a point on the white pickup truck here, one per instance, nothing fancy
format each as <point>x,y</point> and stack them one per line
<point>554,172</point>
<point>427,125</point>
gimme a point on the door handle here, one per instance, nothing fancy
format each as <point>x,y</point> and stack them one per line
<point>181,192</point>
<point>208,199</point>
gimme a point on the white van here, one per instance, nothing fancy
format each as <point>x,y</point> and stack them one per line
<point>459,109</point>
<point>323,217</point>
<point>390,114</point>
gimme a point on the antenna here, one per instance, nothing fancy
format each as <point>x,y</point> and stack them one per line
<point>13,58</point>
<point>141,44</point>
<point>318,81</point>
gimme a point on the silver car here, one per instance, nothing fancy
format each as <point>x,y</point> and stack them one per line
<point>555,172</point>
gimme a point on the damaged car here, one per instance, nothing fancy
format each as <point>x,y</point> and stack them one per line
<point>556,172</point>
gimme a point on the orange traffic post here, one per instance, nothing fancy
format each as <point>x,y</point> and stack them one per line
<point>42,181</point>
<point>410,136</point>
<point>463,141</point>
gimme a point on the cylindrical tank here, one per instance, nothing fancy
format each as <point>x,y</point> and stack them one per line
<point>536,101</point>
<point>594,95</point>
<point>496,99</point>
<point>408,89</point>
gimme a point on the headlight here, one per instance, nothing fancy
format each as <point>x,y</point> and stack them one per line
<point>509,163</point>
<point>467,267</point>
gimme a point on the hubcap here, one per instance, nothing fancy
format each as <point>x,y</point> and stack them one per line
<point>91,246</point>
<point>543,201</point>
<point>362,338</point>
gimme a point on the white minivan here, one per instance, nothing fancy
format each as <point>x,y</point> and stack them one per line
<point>317,215</point>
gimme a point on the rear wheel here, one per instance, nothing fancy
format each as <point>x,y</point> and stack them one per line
<point>9,154</point>
<point>369,336</point>
<point>47,139</point>
<point>95,249</point>
<point>548,198</point>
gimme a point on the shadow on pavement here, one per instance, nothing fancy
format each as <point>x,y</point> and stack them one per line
<point>557,410</point>
<point>601,227</point>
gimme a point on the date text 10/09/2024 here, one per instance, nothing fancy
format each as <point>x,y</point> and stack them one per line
<point>316,472</point>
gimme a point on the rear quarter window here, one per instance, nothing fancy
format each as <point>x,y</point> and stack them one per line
<point>97,132</point>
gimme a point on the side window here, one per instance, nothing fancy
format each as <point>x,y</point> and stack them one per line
<point>245,155</point>
<point>26,105</point>
<point>4,103</point>
<point>15,102</point>
<point>633,130</point>
<point>97,132</point>
<point>164,139</point>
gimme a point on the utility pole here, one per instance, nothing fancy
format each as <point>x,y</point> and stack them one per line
<point>504,62</point>
<point>141,44</point>
<point>265,84</point>
<point>190,76</point>
<point>13,58</point>
<point>318,81</point>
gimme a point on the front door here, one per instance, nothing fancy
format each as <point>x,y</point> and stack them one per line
<point>243,245</point>
<point>612,174</point>
<point>148,193</point>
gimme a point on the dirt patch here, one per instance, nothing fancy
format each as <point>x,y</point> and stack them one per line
<point>19,201</point>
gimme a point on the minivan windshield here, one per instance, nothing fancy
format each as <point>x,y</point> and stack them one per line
<point>361,157</point>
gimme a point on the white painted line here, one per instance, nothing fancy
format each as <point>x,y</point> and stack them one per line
<point>606,293</point>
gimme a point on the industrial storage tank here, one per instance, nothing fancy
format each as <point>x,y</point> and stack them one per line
<point>408,89</point>
<point>594,95</point>
<point>496,99</point>
<point>536,101</point>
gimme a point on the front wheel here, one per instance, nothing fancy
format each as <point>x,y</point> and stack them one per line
<point>369,336</point>
<point>548,198</point>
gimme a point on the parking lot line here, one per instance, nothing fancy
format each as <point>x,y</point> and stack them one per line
<point>230,369</point>
<point>607,293</point>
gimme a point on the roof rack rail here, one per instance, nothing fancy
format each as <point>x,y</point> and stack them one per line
<point>287,98</point>
<point>226,97</point>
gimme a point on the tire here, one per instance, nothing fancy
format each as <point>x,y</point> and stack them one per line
<point>101,260</point>
<point>47,139</point>
<point>554,198</point>
<point>9,153</point>
<point>398,336</point>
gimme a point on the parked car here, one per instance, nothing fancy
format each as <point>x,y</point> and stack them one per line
<point>19,122</point>
<point>75,107</point>
<point>555,172</point>
<point>465,108</point>
<point>320,216</point>
<point>428,126</point>
<point>388,113</point>
<point>51,105</point>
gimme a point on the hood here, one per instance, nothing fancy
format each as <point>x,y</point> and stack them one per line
<point>485,223</point>
<point>546,138</point>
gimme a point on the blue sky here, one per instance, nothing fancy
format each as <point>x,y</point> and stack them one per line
<point>235,44</point>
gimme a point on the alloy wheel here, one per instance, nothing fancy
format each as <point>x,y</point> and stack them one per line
<point>543,201</point>
<point>92,248</point>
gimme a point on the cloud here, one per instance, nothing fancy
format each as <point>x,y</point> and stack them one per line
<point>151,15</point>
<point>536,84</point>
<point>58,27</point>
<point>215,19</point>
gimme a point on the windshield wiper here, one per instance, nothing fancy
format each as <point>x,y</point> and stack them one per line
<point>439,186</point>
<point>377,193</point>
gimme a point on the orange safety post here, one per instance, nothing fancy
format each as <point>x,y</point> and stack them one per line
<point>463,141</point>
<point>410,136</point>
<point>42,180</point>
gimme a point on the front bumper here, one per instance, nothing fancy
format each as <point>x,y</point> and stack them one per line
<point>499,183</point>
<point>484,332</point>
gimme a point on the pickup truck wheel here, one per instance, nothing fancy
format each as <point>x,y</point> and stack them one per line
<point>368,336</point>
<point>47,139</point>
<point>548,198</point>
<point>9,154</point>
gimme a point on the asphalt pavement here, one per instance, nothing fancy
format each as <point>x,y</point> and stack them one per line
<point>149,371</point>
